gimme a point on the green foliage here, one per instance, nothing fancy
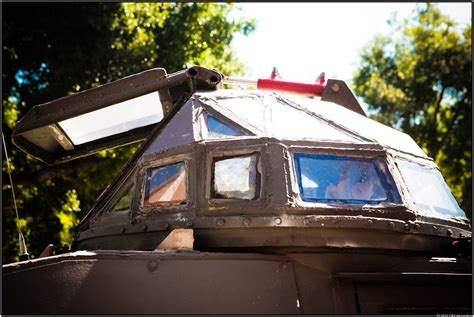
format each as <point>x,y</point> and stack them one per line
<point>54,49</point>
<point>67,217</point>
<point>418,79</point>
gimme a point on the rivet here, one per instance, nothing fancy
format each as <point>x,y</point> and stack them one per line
<point>370,221</point>
<point>122,230</point>
<point>334,220</point>
<point>152,266</point>
<point>246,221</point>
<point>335,87</point>
<point>322,224</point>
<point>391,224</point>
<point>406,227</point>
<point>435,228</point>
<point>144,227</point>
<point>417,226</point>
<point>278,221</point>
<point>461,235</point>
<point>284,266</point>
<point>449,232</point>
<point>220,222</point>
<point>306,222</point>
<point>167,225</point>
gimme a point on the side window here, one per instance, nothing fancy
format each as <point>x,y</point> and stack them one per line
<point>330,178</point>
<point>166,185</point>
<point>125,201</point>
<point>236,177</point>
<point>216,128</point>
<point>429,190</point>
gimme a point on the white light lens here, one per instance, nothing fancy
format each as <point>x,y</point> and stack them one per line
<point>115,119</point>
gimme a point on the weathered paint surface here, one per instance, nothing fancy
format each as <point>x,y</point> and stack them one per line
<point>273,254</point>
<point>132,282</point>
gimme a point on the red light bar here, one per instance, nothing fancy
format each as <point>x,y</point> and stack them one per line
<point>335,91</point>
<point>278,85</point>
<point>286,86</point>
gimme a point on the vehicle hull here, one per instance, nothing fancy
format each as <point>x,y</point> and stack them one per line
<point>192,282</point>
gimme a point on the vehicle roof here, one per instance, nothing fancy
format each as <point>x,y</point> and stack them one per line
<point>270,114</point>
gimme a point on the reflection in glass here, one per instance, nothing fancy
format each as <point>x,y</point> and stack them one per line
<point>166,185</point>
<point>429,190</point>
<point>328,178</point>
<point>115,119</point>
<point>218,129</point>
<point>236,178</point>
<point>125,201</point>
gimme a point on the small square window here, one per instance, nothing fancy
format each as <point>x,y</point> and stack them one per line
<point>166,185</point>
<point>236,178</point>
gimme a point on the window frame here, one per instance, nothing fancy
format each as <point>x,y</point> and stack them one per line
<point>217,155</point>
<point>227,124</point>
<point>165,208</point>
<point>106,214</point>
<point>227,118</point>
<point>421,213</point>
<point>358,153</point>
<point>258,176</point>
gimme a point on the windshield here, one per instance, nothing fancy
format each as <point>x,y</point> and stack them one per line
<point>331,178</point>
<point>429,191</point>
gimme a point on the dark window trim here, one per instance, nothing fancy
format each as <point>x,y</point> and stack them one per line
<point>341,155</point>
<point>230,119</point>
<point>259,177</point>
<point>148,209</point>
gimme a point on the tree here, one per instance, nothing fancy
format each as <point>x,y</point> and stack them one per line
<point>51,50</point>
<point>418,79</point>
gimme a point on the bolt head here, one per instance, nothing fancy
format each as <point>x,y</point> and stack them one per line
<point>335,87</point>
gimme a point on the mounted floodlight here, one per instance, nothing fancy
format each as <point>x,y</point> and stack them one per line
<point>115,114</point>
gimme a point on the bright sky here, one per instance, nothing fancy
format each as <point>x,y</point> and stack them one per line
<point>304,39</point>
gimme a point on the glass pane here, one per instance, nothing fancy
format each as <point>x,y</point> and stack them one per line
<point>115,119</point>
<point>236,178</point>
<point>327,178</point>
<point>218,129</point>
<point>166,185</point>
<point>125,201</point>
<point>429,190</point>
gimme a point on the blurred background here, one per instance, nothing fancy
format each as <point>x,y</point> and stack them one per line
<point>409,65</point>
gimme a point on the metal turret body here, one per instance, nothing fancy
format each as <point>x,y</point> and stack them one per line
<point>288,199</point>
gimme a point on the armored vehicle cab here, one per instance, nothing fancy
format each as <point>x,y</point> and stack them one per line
<point>273,204</point>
